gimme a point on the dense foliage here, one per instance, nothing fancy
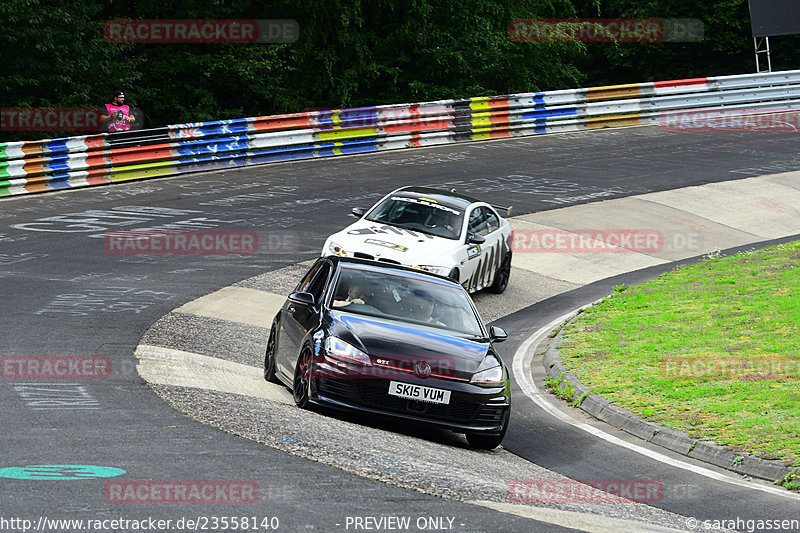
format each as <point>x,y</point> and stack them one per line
<point>349,53</point>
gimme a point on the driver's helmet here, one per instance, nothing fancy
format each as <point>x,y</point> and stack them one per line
<point>437,218</point>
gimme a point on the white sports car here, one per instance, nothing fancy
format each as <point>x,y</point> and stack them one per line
<point>438,231</point>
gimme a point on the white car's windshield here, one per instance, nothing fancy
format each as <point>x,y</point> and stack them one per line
<point>419,214</point>
<point>409,299</point>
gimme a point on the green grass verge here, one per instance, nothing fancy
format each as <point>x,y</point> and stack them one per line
<point>711,349</point>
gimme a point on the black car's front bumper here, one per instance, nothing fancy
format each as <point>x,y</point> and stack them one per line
<point>472,408</point>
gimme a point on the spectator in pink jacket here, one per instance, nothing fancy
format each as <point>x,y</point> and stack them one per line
<point>116,115</point>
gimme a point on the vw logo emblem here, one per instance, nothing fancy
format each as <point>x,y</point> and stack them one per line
<point>422,369</point>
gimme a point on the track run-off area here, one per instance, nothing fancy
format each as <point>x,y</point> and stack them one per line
<point>181,400</point>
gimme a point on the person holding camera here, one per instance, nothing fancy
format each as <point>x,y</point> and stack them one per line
<point>116,115</point>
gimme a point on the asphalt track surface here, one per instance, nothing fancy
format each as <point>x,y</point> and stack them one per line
<point>64,294</point>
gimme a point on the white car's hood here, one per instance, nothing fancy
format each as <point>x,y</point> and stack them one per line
<point>382,241</point>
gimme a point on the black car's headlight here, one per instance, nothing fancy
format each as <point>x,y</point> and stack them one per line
<point>489,371</point>
<point>338,349</point>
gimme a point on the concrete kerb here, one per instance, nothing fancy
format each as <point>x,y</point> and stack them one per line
<point>669,438</point>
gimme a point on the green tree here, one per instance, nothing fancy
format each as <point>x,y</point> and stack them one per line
<point>354,52</point>
<point>54,54</point>
<point>349,53</point>
<point>726,46</point>
<point>184,82</point>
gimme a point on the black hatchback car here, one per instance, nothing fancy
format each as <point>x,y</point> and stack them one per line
<point>394,341</point>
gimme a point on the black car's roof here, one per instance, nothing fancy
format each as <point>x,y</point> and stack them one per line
<point>448,198</point>
<point>380,265</point>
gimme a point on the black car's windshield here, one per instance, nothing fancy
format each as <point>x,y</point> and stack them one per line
<point>407,298</point>
<point>419,214</point>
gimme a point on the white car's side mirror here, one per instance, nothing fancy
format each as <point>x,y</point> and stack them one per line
<point>474,238</point>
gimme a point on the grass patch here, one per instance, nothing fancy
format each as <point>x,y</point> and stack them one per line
<point>567,392</point>
<point>790,481</point>
<point>711,349</point>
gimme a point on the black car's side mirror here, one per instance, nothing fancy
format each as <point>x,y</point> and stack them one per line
<point>474,238</point>
<point>358,212</point>
<point>302,298</point>
<point>497,334</point>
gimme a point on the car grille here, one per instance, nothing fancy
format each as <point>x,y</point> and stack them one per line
<point>362,255</point>
<point>374,394</point>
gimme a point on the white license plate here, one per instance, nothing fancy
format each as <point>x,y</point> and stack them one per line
<point>419,393</point>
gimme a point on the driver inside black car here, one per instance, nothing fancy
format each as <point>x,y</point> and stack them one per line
<point>356,294</point>
<point>425,308</point>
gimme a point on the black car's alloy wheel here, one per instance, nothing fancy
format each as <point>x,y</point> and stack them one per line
<point>269,358</point>
<point>302,380</point>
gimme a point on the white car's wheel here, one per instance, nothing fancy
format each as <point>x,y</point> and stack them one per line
<point>502,276</point>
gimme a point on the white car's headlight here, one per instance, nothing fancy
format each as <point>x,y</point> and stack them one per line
<point>338,349</point>
<point>442,271</point>
<point>489,371</point>
<point>335,249</point>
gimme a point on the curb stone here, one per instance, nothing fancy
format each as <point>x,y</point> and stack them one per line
<point>742,463</point>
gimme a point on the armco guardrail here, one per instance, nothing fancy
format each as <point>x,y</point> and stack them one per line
<point>39,166</point>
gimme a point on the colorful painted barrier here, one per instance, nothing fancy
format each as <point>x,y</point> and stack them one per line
<point>47,165</point>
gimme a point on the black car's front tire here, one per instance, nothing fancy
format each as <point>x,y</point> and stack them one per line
<point>502,276</point>
<point>269,358</point>
<point>482,441</point>
<point>302,380</point>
